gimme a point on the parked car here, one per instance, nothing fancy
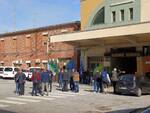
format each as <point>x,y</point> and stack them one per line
<point>9,72</point>
<point>31,69</point>
<point>129,84</point>
<point>142,110</point>
<point>1,71</point>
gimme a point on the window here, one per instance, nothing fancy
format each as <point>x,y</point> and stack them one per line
<point>100,17</point>
<point>146,51</point>
<point>113,16</point>
<point>130,13</point>
<point>122,15</point>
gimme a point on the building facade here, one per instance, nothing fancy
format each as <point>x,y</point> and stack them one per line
<point>31,47</point>
<point>114,33</point>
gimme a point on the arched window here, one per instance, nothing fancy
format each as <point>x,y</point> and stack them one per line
<point>99,17</point>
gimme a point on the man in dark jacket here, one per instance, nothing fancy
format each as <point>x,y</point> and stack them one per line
<point>22,79</point>
<point>45,78</point>
<point>66,78</point>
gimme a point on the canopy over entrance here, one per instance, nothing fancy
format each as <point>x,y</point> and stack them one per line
<point>120,36</point>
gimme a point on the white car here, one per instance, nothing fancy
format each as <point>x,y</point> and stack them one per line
<point>1,71</point>
<point>9,72</point>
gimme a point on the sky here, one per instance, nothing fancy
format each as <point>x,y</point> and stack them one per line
<point>25,14</point>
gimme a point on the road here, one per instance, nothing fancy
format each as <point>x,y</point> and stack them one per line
<point>66,102</point>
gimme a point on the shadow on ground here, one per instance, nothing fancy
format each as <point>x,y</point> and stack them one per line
<point>117,111</point>
<point>5,111</point>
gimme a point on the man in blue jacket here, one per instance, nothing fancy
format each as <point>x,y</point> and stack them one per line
<point>45,78</point>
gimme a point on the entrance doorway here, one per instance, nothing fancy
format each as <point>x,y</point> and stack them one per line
<point>127,64</point>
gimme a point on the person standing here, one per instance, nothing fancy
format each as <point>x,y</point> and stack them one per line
<point>35,79</point>
<point>50,80</point>
<point>76,79</point>
<point>17,82</point>
<point>45,81</point>
<point>22,80</point>
<point>66,78</point>
<point>60,79</point>
<point>114,78</point>
<point>105,81</point>
<point>95,83</point>
<point>72,85</point>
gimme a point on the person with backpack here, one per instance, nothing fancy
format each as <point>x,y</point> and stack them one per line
<point>105,81</point>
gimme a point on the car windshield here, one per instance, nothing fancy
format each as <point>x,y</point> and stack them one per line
<point>126,78</point>
<point>146,111</point>
<point>1,69</point>
<point>8,69</point>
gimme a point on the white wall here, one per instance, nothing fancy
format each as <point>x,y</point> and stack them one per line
<point>145,10</point>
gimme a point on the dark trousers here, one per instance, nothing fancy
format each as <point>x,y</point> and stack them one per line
<point>114,85</point>
<point>34,89</point>
<point>50,86</point>
<point>21,88</point>
<point>65,85</point>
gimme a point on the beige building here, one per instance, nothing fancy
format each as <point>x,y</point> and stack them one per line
<point>114,33</point>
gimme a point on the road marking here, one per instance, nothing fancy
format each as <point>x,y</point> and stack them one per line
<point>59,94</point>
<point>55,96</point>
<point>11,102</point>
<point>39,97</point>
<point>2,105</point>
<point>21,99</point>
<point>68,93</point>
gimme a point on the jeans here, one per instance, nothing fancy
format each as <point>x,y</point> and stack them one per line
<point>21,87</point>
<point>17,88</point>
<point>34,89</point>
<point>65,85</point>
<point>45,85</point>
<point>76,83</point>
<point>94,86</point>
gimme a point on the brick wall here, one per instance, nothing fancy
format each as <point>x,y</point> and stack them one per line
<point>31,45</point>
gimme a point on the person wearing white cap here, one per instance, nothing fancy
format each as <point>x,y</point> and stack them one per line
<point>114,78</point>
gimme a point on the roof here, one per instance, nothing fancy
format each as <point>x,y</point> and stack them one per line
<point>76,23</point>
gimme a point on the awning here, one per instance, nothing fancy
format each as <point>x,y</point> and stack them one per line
<point>127,35</point>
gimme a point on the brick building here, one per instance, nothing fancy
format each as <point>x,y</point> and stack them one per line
<point>32,48</point>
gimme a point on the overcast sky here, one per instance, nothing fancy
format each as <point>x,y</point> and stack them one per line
<point>25,14</point>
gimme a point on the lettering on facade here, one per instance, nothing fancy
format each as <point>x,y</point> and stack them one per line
<point>147,62</point>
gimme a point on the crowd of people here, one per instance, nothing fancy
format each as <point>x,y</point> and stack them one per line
<point>42,81</point>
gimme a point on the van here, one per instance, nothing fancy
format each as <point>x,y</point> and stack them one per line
<point>9,72</point>
<point>1,71</point>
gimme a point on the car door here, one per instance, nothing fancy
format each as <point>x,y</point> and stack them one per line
<point>145,83</point>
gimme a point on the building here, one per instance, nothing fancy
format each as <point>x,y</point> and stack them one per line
<point>114,33</point>
<point>32,48</point>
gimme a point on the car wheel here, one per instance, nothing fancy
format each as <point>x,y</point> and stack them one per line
<point>138,92</point>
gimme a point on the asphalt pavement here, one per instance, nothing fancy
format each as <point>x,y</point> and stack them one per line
<point>66,102</point>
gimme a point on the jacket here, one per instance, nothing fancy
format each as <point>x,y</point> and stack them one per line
<point>76,76</point>
<point>45,78</point>
<point>66,76</point>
